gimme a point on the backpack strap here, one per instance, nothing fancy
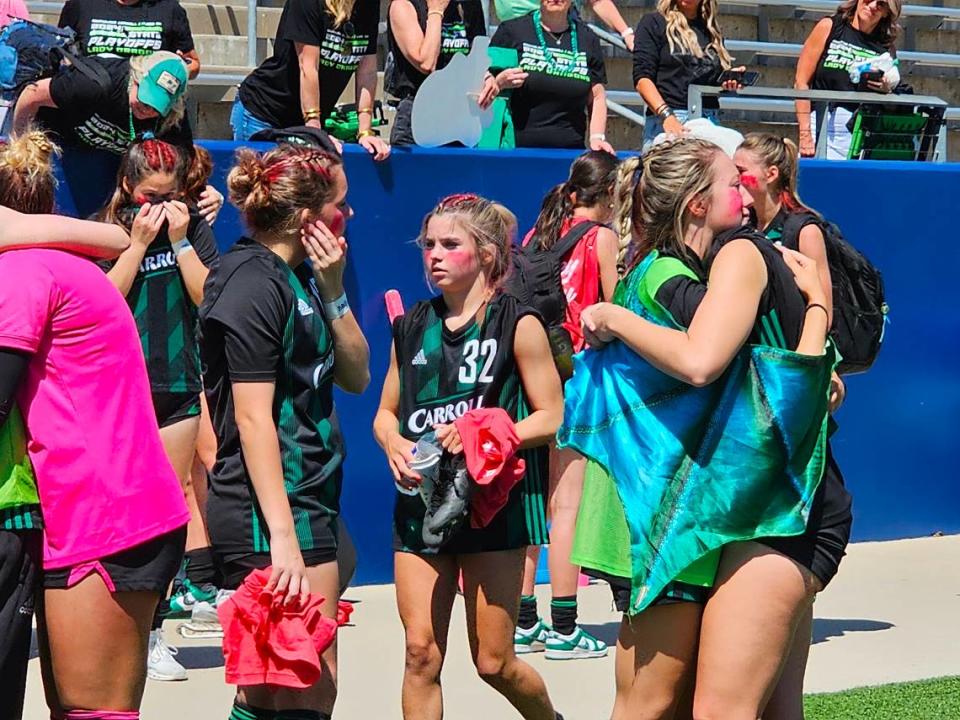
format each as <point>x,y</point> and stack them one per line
<point>569,240</point>
<point>795,224</point>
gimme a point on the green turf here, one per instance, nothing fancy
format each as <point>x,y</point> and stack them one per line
<point>924,700</point>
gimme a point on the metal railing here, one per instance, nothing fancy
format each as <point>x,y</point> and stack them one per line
<point>829,7</point>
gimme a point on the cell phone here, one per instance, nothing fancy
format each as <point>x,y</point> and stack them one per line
<point>744,77</point>
<point>869,76</point>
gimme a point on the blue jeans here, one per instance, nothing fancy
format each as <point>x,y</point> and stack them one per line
<point>654,125</point>
<point>243,123</point>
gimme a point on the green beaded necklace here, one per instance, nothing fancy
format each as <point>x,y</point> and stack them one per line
<point>574,45</point>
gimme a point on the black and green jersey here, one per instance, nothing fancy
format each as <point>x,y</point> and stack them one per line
<point>677,285</point>
<point>166,316</point>
<point>262,321</point>
<point>445,373</point>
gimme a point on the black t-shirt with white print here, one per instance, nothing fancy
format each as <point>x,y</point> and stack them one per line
<point>272,91</point>
<point>672,72</point>
<point>105,27</point>
<point>96,114</point>
<point>461,23</point>
<point>550,108</point>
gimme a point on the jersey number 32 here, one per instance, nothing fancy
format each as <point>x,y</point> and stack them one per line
<point>477,355</point>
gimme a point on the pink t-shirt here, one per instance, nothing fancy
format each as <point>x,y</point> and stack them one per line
<point>105,482</point>
<point>11,10</point>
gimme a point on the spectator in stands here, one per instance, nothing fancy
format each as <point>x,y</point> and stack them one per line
<point>96,120</point>
<point>677,46</point>
<point>11,10</point>
<point>861,30</point>
<point>130,28</point>
<point>559,83</point>
<point>423,35</point>
<point>319,47</point>
<point>606,10</point>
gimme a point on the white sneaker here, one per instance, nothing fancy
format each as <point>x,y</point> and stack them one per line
<point>204,622</point>
<point>161,663</point>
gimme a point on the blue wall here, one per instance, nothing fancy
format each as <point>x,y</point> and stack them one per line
<point>896,442</point>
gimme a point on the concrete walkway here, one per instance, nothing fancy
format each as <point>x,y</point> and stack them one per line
<point>891,615</point>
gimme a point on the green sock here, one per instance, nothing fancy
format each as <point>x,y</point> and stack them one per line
<point>242,711</point>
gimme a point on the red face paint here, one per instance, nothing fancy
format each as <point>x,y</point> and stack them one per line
<point>337,223</point>
<point>749,181</point>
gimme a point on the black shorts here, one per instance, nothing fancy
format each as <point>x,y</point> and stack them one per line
<point>821,548</point>
<point>148,567</point>
<point>674,592</point>
<point>21,557</point>
<point>173,407</point>
<point>234,567</point>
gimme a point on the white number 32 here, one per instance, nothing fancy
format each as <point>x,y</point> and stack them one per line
<point>475,353</point>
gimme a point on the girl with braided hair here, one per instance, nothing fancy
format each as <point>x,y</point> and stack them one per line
<point>277,334</point>
<point>471,350</point>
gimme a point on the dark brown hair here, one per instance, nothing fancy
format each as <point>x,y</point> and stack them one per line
<point>142,159</point>
<point>591,182</point>
<point>272,189</point>
<point>198,174</point>
<point>887,30</point>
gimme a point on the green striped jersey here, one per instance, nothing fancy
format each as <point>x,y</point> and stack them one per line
<point>262,321</point>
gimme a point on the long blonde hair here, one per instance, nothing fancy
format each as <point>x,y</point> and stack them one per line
<point>680,35</point>
<point>623,206</point>
<point>340,9</point>
<point>674,173</point>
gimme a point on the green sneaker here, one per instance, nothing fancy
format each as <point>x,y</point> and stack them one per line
<point>186,596</point>
<point>531,640</point>
<point>580,644</point>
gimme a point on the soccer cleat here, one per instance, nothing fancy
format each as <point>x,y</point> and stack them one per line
<point>186,596</point>
<point>579,644</point>
<point>449,504</point>
<point>204,622</point>
<point>531,640</point>
<point>161,663</point>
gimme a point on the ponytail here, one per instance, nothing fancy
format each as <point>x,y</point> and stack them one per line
<point>27,182</point>
<point>557,206</point>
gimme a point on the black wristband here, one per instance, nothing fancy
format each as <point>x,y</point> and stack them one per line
<point>818,305</point>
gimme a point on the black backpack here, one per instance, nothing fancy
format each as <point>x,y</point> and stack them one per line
<point>534,280</point>
<point>859,306</point>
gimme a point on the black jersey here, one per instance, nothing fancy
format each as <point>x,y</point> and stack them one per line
<point>166,316</point>
<point>106,27</point>
<point>445,373</point>
<point>782,308</point>
<point>262,321</point>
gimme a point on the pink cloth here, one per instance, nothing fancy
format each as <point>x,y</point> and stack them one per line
<point>105,482</point>
<point>490,442</point>
<point>579,277</point>
<point>11,10</point>
<point>268,644</point>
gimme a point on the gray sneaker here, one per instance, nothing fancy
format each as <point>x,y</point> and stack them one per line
<point>204,622</point>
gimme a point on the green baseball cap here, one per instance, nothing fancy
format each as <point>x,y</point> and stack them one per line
<point>164,83</point>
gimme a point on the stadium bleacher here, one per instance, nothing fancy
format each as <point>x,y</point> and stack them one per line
<point>766,35</point>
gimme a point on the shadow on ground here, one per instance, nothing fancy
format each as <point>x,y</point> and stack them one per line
<point>826,628</point>
<point>607,632</point>
<point>823,629</point>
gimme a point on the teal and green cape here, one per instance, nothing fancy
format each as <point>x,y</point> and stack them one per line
<point>695,468</point>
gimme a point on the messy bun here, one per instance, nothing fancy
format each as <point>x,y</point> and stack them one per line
<point>271,189</point>
<point>27,182</point>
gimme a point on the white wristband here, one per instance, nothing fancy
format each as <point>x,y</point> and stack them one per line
<point>336,308</point>
<point>180,247</point>
<point>598,136</point>
<point>625,33</point>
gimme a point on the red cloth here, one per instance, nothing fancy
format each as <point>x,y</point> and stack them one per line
<point>490,442</point>
<point>344,611</point>
<point>265,644</point>
<point>580,278</point>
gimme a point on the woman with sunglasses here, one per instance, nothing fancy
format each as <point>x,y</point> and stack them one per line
<point>861,30</point>
<point>319,47</point>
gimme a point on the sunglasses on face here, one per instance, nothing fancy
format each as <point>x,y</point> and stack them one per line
<point>881,4</point>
